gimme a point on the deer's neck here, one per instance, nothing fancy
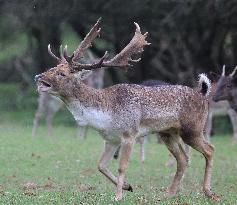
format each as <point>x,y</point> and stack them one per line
<point>89,107</point>
<point>87,96</point>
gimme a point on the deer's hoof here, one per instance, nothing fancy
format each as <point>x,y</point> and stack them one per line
<point>127,187</point>
<point>212,196</point>
<point>118,197</point>
<point>215,197</point>
<point>169,193</point>
<point>130,188</point>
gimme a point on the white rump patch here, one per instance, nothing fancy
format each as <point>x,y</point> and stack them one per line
<point>204,79</point>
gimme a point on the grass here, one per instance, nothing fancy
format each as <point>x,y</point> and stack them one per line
<point>63,169</point>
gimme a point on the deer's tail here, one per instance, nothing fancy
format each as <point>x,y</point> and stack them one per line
<point>204,84</point>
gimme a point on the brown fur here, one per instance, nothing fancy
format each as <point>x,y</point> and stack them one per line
<point>177,111</point>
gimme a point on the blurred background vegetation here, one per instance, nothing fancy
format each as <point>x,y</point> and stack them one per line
<point>188,37</point>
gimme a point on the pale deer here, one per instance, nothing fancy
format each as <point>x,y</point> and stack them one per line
<point>49,105</point>
<point>123,112</point>
<point>226,90</point>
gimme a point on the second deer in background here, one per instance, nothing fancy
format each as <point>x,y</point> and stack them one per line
<point>221,108</point>
<point>226,91</point>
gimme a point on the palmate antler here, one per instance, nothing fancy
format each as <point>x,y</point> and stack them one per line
<point>123,59</point>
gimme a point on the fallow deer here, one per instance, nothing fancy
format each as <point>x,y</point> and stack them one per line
<point>123,112</point>
<point>226,89</point>
<point>47,106</point>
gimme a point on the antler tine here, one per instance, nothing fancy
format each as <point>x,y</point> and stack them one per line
<point>61,53</point>
<point>124,58</point>
<point>232,74</point>
<point>223,70</point>
<point>94,32</point>
<point>52,54</point>
<point>66,56</point>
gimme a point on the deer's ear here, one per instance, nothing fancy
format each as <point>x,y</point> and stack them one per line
<point>82,75</point>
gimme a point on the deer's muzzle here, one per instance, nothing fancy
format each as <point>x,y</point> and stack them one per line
<point>37,77</point>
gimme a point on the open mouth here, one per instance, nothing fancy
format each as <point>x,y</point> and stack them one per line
<point>43,86</point>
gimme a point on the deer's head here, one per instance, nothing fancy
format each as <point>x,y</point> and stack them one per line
<point>224,86</point>
<point>60,80</point>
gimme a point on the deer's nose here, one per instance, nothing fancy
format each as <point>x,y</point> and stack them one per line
<point>37,77</point>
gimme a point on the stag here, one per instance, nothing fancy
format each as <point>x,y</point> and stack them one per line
<point>123,112</point>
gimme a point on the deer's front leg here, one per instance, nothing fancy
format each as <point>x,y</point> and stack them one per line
<point>126,148</point>
<point>49,123</point>
<point>82,132</point>
<point>107,155</point>
<point>141,141</point>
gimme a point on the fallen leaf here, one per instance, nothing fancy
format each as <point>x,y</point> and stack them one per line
<point>29,185</point>
<point>29,194</point>
<point>85,187</point>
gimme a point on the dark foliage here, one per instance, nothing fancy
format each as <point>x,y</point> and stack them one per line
<point>188,37</point>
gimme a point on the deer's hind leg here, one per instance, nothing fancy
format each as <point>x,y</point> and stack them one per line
<point>173,144</point>
<point>208,126</point>
<point>141,141</point>
<point>233,118</point>
<point>198,142</point>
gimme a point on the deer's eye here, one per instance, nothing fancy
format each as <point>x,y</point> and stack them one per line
<point>62,74</point>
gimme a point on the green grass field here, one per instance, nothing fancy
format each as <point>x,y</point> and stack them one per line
<point>63,169</point>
